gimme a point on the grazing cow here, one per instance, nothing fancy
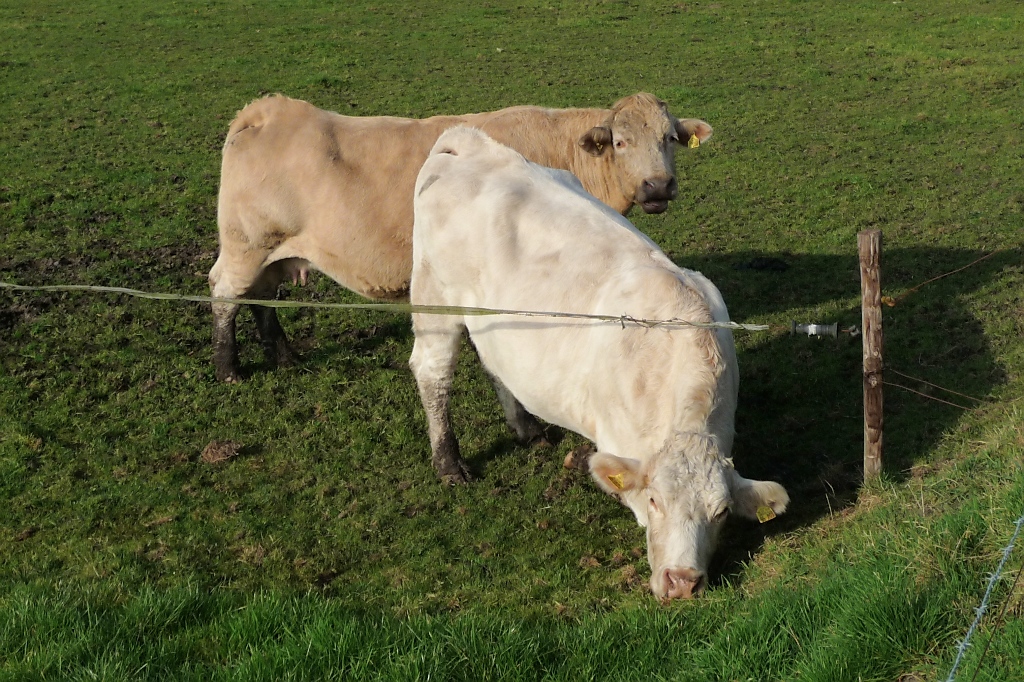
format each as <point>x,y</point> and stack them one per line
<point>305,188</point>
<point>495,230</point>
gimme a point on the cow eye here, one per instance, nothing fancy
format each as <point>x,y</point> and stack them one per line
<point>653,504</point>
<point>721,516</point>
<point>672,137</point>
<point>620,144</point>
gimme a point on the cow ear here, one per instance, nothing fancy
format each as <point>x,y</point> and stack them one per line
<point>749,498</point>
<point>595,140</point>
<point>689,128</point>
<point>615,475</point>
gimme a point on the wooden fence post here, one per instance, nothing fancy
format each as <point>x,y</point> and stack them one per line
<point>869,244</point>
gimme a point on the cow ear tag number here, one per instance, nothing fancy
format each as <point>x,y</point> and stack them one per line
<point>765,513</point>
<point>617,480</point>
<point>694,141</point>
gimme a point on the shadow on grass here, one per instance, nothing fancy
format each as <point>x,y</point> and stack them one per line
<point>800,418</point>
<point>800,414</point>
<point>334,355</point>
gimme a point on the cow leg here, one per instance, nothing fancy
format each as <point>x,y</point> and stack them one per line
<point>433,363</point>
<point>275,342</point>
<point>526,427</point>
<point>225,348</point>
<point>232,276</point>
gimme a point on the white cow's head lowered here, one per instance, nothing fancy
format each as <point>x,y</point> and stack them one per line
<point>682,495</point>
<point>638,142</point>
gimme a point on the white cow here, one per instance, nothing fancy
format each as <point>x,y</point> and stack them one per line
<point>495,230</point>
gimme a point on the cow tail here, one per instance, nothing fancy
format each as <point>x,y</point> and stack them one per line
<point>252,118</point>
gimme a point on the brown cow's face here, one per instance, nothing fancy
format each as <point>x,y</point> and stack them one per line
<point>683,497</point>
<point>639,140</point>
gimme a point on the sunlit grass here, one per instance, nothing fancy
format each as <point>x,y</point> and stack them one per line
<point>326,549</point>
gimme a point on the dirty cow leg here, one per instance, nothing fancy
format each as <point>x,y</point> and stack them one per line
<point>225,350</point>
<point>275,344</point>
<point>526,427</point>
<point>275,341</point>
<point>232,276</point>
<point>433,363</point>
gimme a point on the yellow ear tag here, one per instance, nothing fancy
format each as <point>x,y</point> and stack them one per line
<point>694,142</point>
<point>765,513</point>
<point>618,480</point>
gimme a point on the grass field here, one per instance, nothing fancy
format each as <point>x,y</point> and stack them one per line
<point>327,549</point>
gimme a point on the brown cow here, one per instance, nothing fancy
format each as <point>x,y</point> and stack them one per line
<point>306,188</point>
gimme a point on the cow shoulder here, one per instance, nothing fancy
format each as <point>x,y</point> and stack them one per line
<point>465,163</point>
<point>564,178</point>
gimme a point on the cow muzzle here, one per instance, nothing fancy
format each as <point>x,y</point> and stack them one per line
<point>680,583</point>
<point>654,194</point>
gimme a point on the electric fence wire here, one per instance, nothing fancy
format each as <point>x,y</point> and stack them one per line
<point>980,611</point>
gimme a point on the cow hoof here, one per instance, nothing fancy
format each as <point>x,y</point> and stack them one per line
<point>579,457</point>
<point>456,475</point>
<point>288,359</point>
<point>545,438</point>
<point>527,429</point>
<point>229,376</point>
<point>280,355</point>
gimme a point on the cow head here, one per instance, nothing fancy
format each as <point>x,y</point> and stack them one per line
<point>638,138</point>
<point>682,496</point>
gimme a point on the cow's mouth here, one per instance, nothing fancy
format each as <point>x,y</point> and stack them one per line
<point>654,205</point>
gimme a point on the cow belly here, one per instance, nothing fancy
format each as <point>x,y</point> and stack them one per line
<point>374,267</point>
<point>566,373</point>
<point>531,361</point>
<point>386,282</point>
<point>617,387</point>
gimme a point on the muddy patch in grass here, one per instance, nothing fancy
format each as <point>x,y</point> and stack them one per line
<point>218,452</point>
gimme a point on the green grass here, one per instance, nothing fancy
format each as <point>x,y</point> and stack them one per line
<point>326,549</point>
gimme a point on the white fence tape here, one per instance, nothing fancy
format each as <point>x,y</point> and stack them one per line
<point>391,307</point>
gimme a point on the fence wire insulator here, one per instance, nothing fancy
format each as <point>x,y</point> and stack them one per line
<point>815,329</point>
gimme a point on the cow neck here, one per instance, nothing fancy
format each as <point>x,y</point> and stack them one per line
<point>597,173</point>
<point>697,390</point>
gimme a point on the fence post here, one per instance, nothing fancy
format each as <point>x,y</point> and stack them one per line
<point>869,244</point>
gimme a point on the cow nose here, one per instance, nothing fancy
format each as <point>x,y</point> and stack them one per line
<point>661,187</point>
<point>684,583</point>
